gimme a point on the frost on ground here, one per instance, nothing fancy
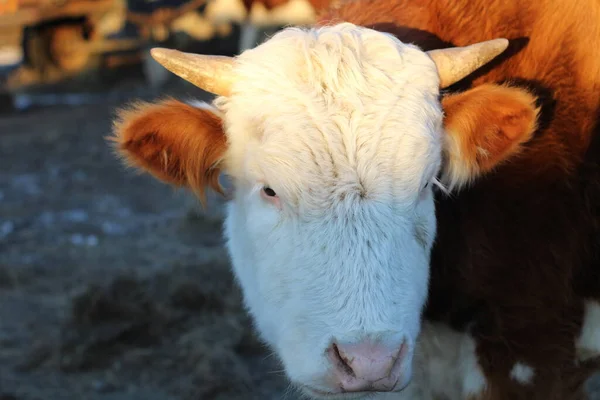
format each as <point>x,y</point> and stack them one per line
<point>114,286</point>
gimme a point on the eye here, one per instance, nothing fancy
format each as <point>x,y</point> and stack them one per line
<point>269,192</point>
<point>270,196</point>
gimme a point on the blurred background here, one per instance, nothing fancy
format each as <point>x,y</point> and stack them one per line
<point>114,286</point>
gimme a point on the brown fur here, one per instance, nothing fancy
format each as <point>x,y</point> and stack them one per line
<point>175,142</point>
<point>518,252</point>
<point>488,124</point>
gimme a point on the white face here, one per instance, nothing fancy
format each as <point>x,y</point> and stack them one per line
<point>333,257</point>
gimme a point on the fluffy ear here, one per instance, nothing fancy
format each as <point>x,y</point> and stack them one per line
<point>175,142</point>
<point>484,127</point>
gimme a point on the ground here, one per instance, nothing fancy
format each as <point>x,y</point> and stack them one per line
<point>112,285</point>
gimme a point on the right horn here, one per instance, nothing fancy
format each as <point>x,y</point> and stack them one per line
<point>455,63</point>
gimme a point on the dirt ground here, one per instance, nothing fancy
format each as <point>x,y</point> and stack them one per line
<point>114,286</point>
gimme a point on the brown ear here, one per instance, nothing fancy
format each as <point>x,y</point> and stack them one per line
<point>177,143</point>
<point>485,126</point>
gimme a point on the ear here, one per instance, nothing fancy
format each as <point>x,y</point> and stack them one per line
<point>177,143</point>
<point>485,126</point>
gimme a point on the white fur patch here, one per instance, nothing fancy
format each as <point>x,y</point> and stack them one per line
<point>446,366</point>
<point>588,343</point>
<point>522,373</point>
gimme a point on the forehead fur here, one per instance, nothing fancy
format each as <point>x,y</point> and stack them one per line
<point>340,110</point>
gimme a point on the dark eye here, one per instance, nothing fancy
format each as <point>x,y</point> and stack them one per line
<point>269,192</point>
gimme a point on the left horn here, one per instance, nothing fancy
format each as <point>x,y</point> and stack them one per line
<point>455,63</point>
<point>213,74</point>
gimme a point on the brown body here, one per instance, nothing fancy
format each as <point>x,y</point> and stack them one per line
<point>518,252</point>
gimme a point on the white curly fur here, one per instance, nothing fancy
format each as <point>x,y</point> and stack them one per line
<point>348,133</point>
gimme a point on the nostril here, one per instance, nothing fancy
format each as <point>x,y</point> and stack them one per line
<point>366,365</point>
<point>343,363</point>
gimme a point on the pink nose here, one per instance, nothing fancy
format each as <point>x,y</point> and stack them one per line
<point>366,366</point>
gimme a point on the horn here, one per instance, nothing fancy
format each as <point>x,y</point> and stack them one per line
<point>213,74</point>
<point>455,63</point>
